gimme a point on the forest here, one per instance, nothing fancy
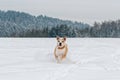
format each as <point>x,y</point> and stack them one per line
<point>20,24</point>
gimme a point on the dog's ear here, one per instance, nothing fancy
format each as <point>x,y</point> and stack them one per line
<point>64,38</point>
<point>57,37</point>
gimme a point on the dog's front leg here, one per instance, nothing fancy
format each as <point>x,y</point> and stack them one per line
<point>59,59</point>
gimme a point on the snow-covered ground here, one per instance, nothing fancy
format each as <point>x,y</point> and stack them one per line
<point>32,59</point>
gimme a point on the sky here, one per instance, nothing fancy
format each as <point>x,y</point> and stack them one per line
<point>87,11</point>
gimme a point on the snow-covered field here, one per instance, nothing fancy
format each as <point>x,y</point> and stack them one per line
<point>32,59</point>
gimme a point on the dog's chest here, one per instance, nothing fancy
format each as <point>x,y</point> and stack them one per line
<point>60,51</point>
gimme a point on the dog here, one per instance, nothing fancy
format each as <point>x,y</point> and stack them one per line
<point>61,49</point>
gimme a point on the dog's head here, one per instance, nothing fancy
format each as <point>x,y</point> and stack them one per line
<point>61,41</point>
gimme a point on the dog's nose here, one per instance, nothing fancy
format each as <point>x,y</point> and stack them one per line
<point>60,44</point>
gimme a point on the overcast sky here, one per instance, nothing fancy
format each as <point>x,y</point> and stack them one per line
<point>86,11</point>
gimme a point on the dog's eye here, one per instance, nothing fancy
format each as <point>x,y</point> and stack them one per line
<point>58,41</point>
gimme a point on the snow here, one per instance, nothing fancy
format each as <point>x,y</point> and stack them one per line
<point>32,59</point>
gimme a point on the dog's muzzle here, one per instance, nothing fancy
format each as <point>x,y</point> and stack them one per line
<point>60,44</point>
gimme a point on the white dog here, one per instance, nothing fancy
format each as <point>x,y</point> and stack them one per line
<point>61,49</point>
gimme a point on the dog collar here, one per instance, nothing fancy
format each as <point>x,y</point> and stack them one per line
<point>61,47</point>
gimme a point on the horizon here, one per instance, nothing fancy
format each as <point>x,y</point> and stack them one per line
<point>74,10</point>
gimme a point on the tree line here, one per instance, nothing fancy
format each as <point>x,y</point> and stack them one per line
<point>104,29</point>
<point>20,24</point>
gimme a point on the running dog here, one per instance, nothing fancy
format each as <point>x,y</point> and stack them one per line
<point>61,49</point>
